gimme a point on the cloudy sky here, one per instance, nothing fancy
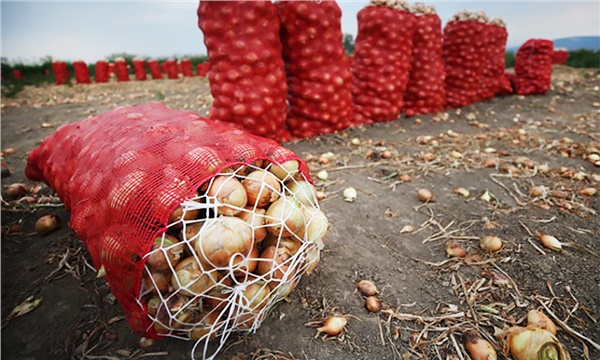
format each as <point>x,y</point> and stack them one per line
<point>91,30</point>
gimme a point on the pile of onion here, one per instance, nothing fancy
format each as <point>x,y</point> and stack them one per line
<point>237,247</point>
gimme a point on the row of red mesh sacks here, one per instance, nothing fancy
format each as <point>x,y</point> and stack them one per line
<point>170,69</point>
<point>402,62</point>
<point>560,56</point>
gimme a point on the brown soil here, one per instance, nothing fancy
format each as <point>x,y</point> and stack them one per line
<point>429,299</point>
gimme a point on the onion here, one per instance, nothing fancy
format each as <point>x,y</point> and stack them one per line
<point>255,297</point>
<point>303,192</point>
<point>221,238</point>
<point>218,296</point>
<point>274,262</point>
<point>194,281</point>
<point>454,249</point>
<point>191,232</point>
<point>47,224</point>
<point>262,188</point>
<point>210,324</point>
<point>350,194</point>
<point>490,243</point>
<point>537,191</point>
<point>549,241</point>
<point>367,287</point>
<point>285,170</point>
<point>372,304</point>
<point>245,264</point>
<point>317,225</point>
<point>333,325</point>
<point>477,347</point>
<point>164,253</point>
<point>425,195</point>
<point>313,255</point>
<point>588,191</point>
<point>533,343</point>
<point>539,319</point>
<point>178,215</point>
<point>153,304</point>
<point>16,190</point>
<point>177,314</point>
<point>160,282</point>
<point>292,244</point>
<point>284,217</point>
<point>256,219</point>
<point>229,193</point>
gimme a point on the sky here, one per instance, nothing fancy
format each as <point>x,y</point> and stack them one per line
<point>92,30</point>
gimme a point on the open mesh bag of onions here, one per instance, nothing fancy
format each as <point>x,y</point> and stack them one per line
<point>200,228</point>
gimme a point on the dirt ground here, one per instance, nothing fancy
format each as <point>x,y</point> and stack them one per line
<point>428,299</point>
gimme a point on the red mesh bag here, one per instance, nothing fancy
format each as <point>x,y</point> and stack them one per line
<point>464,48</point>
<point>121,69</point>
<point>533,67</point>
<point>139,69</point>
<point>560,56</point>
<point>202,68</point>
<point>425,92</point>
<point>101,71</point>
<point>171,69</point>
<point>59,68</point>
<point>154,68</point>
<point>492,78</point>
<point>178,67</point>
<point>187,68</point>
<point>506,84</point>
<point>247,73</point>
<point>381,61</point>
<point>82,73</point>
<point>124,174</point>
<point>317,67</point>
<point>17,74</point>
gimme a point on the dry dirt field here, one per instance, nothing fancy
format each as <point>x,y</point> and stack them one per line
<point>495,151</point>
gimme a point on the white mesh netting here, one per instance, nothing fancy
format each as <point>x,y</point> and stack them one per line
<point>232,252</point>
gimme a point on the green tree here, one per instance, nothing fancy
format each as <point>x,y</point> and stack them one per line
<point>348,42</point>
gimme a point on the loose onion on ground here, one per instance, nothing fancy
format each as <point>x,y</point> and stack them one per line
<point>47,224</point>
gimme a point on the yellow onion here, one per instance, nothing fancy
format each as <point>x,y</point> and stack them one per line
<point>533,343</point>
<point>178,214</point>
<point>210,324</point>
<point>255,297</point>
<point>333,325</point>
<point>317,225</point>
<point>192,277</point>
<point>164,253</point>
<point>256,219</point>
<point>274,262</point>
<point>245,264</point>
<point>160,282</point>
<point>303,192</point>
<point>153,305</point>
<point>367,287</point>
<point>262,188</point>
<point>230,194</point>
<point>284,217</point>
<point>490,243</point>
<point>218,296</point>
<point>549,241</point>
<point>291,243</point>
<point>16,190</point>
<point>454,249</point>
<point>477,347</point>
<point>190,236</point>
<point>285,170</point>
<point>539,319</point>
<point>178,313</point>
<point>47,224</point>
<point>221,238</point>
<point>313,255</point>
<point>425,195</point>
<point>372,304</point>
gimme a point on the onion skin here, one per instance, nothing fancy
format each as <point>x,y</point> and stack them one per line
<point>230,194</point>
<point>539,319</point>
<point>262,188</point>
<point>220,239</point>
<point>533,343</point>
<point>47,224</point>
<point>333,325</point>
<point>477,347</point>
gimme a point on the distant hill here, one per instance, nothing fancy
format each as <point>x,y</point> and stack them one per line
<point>578,42</point>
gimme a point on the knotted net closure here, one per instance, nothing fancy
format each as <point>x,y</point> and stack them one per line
<point>231,252</point>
